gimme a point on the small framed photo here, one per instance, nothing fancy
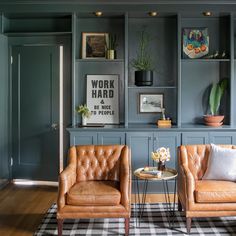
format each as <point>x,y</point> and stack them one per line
<point>93,45</point>
<point>150,102</point>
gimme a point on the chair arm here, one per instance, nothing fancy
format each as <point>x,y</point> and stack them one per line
<point>125,178</point>
<point>187,179</point>
<point>67,179</point>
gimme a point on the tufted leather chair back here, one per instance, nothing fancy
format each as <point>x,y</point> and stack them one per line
<point>196,158</point>
<point>94,162</point>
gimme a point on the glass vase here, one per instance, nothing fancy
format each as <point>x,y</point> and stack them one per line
<point>161,166</point>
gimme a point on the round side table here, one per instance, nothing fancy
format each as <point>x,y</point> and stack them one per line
<point>166,175</point>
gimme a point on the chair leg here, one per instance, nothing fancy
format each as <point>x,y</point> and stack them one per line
<point>60,226</point>
<point>188,223</point>
<point>127,226</point>
<point>179,206</point>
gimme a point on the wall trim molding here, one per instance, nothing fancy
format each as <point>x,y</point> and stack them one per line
<point>34,182</point>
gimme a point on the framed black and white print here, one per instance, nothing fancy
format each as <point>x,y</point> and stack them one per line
<point>150,102</point>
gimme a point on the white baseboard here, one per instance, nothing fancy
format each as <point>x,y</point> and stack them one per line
<point>34,182</point>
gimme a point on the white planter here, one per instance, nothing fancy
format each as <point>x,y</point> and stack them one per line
<point>84,120</point>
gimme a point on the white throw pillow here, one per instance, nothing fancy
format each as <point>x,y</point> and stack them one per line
<point>221,164</point>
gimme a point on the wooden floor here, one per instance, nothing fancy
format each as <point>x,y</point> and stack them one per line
<point>22,208</point>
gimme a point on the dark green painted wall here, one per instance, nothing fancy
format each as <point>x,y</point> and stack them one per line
<point>4,111</point>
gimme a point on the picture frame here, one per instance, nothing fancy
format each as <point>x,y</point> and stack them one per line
<point>151,102</point>
<point>195,42</point>
<point>94,45</point>
<point>102,98</point>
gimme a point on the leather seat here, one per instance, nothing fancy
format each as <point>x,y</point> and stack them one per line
<point>95,184</point>
<point>198,197</point>
<point>94,193</point>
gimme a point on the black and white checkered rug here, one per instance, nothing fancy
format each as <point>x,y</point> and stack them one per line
<point>153,222</point>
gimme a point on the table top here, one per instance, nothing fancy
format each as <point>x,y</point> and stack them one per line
<point>167,174</point>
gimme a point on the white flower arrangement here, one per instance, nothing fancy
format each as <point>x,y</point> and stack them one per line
<point>161,154</point>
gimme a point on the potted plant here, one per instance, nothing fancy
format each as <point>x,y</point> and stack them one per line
<point>111,46</point>
<point>217,91</point>
<point>85,113</point>
<point>143,63</point>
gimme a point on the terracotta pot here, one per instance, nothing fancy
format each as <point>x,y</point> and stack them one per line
<point>211,120</point>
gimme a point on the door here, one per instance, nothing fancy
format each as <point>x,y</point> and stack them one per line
<point>110,138</point>
<point>189,138</point>
<point>141,144</point>
<point>35,112</point>
<point>83,138</point>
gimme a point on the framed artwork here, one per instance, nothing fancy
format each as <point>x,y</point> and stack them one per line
<point>93,45</point>
<point>195,42</point>
<point>150,102</point>
<point>103,99</point>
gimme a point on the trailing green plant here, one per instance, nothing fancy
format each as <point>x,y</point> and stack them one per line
<point>217,91</point>
<point>112,42</point>
<point>143,62</point>
<point>83,110</point>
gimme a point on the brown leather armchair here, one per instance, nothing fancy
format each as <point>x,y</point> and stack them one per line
<point>95,184</point>
<point>202,198</point>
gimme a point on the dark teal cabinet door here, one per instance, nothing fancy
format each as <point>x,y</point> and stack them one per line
<point>141,145</point>
<point>110,138</point>
<point>223,137</point>
<point>4,110</point>
<point>168,140</point>
<point>195,138</point>
<point>83,138</point>
<point>35,108</point>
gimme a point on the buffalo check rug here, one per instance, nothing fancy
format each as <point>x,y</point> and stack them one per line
<point>153,222</point>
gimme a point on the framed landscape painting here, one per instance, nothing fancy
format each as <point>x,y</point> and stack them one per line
<point>150,103</point>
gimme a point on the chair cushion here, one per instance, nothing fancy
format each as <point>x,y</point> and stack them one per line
<point>221,164</point>
<point>94,193</point>
<point>215,191</point>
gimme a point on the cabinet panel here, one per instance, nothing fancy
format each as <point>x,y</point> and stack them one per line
<point>111,138</point>
<point>170,140</point>
<point>141,145</point>
<point>223,137</point>
<point>195,138</point>
<point>83,138</point>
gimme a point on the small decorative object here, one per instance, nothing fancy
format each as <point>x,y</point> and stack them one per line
<point>150,103</point>
<point>111,46</point>
<point>85,113</point>
<point>216,94</point>
<point>164,122</point>
<point>143,63</point>
<point>103,98</point>
<point>161,155</point>
<point>93,45</point>
<point>195,42</point>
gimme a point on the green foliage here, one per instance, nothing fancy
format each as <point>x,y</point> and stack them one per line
<point>143,62</point>
<point>83,110</point>
<point>111,44</point>
<point>216,94</point>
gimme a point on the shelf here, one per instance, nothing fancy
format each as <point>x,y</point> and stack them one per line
<point>205,60</point>
<point>101,60</point>
<point>16,34</point>
<point>151,87</point>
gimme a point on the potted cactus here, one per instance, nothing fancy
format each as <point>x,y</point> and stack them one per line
<point>217,91</point>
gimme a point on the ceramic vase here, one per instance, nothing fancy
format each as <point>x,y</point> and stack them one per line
<point>84,120</point>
